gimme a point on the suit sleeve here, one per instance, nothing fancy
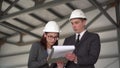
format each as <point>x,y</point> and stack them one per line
<point>69,40</point>
<point>94,50</point>
<point>32,62</point>
<point>64,43</point>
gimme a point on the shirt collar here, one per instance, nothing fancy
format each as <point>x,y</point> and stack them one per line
<point>81,34</point>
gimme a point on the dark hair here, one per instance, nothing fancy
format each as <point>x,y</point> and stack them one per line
<point>44,42</point>
<point>84,18</point>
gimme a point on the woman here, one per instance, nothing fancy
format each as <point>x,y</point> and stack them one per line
<point>40,51</point>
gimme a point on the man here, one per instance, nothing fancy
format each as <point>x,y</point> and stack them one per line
<point>87,44</point>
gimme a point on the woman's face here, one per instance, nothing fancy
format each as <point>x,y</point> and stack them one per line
<point>51,38</point>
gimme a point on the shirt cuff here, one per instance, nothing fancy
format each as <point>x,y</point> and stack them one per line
<point>75,61</point>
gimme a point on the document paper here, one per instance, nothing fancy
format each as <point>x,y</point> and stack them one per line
<point>59,53</point>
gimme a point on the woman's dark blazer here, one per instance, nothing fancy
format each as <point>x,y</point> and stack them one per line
<point>37,56</point>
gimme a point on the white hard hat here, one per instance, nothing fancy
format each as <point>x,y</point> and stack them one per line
<point>51,26</point>
<point>77,14</point>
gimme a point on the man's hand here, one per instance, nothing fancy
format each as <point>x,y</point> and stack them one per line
<point>71,56</point>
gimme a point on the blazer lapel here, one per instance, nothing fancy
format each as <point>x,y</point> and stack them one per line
<point>84,37</point>
<point>73,39</point>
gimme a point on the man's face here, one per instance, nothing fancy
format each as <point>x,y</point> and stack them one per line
<point>78,25</point>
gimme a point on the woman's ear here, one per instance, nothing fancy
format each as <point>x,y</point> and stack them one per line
<point>44,35</point>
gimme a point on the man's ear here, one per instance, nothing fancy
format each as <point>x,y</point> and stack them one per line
<point>84,21</point>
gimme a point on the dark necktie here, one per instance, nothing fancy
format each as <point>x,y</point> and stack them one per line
<point>77,41</point>
<point>77,38</point>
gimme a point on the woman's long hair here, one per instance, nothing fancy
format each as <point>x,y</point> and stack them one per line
<point>43,41</point>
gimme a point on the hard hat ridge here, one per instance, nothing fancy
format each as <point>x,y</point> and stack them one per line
<point>78,13</point>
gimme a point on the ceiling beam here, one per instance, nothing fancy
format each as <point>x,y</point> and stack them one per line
<point>37,2</point>
<point>1,1</point>
<point>34,15</point>
<point>101,29</point>
<point>91,8</point>
<point>108,40</point>
<point>55,13</point>
<point>16,5</point>
<point>96,17</point>
<point>20,8</point>
<point>30,42</point>
<point>6,11</point>
<point>33,9</point>
<point>65,23</point>
<point>21,43</point>
<point>8,27</point>
<point>70,6</point>
<point>2,41</point>
<point>98,5</point>
<point>38,18</point>
<point>21,38</point>
<point>20,29</point>
<point>4,33</point>
<point>85,10</point>
<point>31,14</point>
<point>108,56</point>
<point>20,21</point>
<point>117,8</point>
<point>2,56</point>
<point>23,22</point>
<point>118,37</point>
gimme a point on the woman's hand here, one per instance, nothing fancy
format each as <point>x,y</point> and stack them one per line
<point>60,64</point>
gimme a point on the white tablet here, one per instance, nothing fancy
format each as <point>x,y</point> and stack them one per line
<point>60,51</point>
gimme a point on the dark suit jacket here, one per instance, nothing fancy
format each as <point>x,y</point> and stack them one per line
<point>87,50</point>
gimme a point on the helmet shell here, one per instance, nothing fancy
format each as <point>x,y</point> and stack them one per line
<point>77,14</point>
<point>51,26</point>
